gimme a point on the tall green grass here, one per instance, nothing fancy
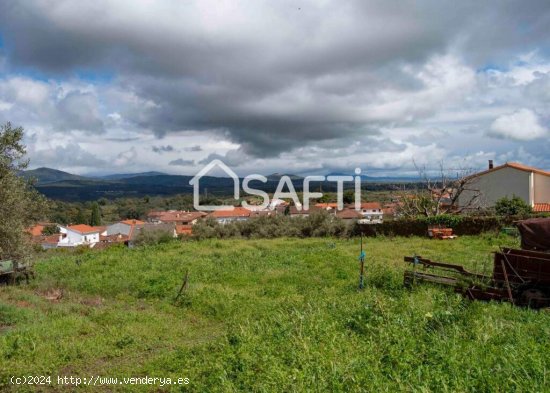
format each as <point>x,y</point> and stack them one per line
<point>272,315</point>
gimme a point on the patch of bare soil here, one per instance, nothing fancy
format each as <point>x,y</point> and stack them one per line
<point>53,295</point>
<point>93,301</point>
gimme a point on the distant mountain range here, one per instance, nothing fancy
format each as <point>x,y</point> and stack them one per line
<point>61,185</point>
<point>277,176</point>
<point>119,176</point>
<point>381,179</point>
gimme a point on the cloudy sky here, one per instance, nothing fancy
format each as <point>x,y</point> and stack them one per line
<point>297,86</point>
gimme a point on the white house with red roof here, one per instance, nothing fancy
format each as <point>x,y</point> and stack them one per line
<point>371,213</point>
<point>508,180</point>
<point>78,235</point>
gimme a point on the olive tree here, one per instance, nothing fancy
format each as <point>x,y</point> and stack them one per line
<point>20,204</point>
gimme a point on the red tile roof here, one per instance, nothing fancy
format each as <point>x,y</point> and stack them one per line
<point>35,230</point>
<point>237,212</point>
<point>526,168</point>
<point>371,205</point>
<point>293,210</point>
<point>175,216</point>
<point>51,239</point>
<point>541,207</point>
<point>514,165</point>
<point>116,238</point>
<point>132,222</point>
<point>83,228</point>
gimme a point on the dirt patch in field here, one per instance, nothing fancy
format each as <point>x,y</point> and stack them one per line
<point>23,304</point>
<point>93,301</point>
<point>53,295</point>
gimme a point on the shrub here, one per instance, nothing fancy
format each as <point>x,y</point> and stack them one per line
<point>448,220</point>
<point>318,224</point>
<point>153,236</point>
<point>514,206</point>
<point>324,224</point>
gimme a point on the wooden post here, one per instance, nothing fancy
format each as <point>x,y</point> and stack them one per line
<point>362,265</point>
<point>184,285</point>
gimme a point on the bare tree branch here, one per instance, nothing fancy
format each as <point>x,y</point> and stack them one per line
<point>439,194</point>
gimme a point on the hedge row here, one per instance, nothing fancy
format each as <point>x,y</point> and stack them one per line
<point>465,225</point>
<point>322,224</point>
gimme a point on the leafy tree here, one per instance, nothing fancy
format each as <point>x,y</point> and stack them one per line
<point>80,217</point>
<point>95,218</point>
<point>327,197</point>
<point>20,204</point>
<point>514,206</point>
<point>349,196</point>
<point>50,230</point>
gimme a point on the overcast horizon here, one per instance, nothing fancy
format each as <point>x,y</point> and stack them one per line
<point>301,87</point>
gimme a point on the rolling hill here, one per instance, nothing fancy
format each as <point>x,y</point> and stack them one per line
<point>48,175</point>
<point>56,184</point>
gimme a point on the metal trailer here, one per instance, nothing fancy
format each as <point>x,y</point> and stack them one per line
<point>520,277</point>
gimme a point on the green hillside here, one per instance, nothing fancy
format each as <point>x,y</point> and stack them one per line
<point>49,175</point>
<point>270,315</point>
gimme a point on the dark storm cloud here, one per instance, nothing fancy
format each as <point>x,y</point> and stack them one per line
<point>193,148</point>
<point>129,139</point>
<point>163,149</point>
<point>269,77</point>
<point>181,162</point>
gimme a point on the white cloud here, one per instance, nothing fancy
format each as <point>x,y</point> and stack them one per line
<point>445,81</point>
<point>522,125</point>
<point>66,157</point>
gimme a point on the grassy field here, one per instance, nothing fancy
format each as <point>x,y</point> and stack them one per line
<point>270,315</point>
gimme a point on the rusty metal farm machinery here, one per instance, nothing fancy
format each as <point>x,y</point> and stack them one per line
<point>520,276</point>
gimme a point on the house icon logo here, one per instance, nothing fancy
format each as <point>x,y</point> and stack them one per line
<point>196,192</point>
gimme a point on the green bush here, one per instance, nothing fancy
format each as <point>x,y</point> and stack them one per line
<point>514,206</point>
<point>323,224</point>
<point>318,224</point>
<point>448,220</point>
<point>153,236</point>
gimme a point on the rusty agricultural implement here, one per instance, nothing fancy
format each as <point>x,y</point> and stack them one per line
<point>520,276</point>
